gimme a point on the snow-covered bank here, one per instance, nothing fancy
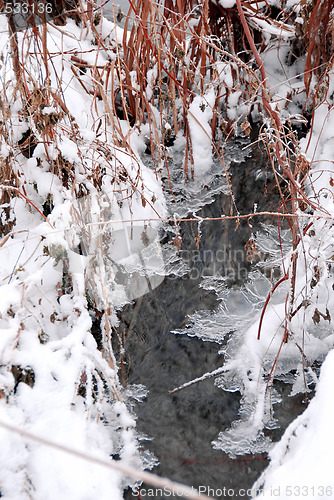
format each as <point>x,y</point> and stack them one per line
<point>64,158</point>
<point>301,463</point>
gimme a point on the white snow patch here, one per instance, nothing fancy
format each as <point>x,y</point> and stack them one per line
<point>300,463</point>
<point>199,117</point>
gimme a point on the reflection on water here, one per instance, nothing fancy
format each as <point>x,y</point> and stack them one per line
<point>114,10</point>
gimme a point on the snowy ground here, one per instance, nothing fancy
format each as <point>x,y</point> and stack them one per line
<point>301,462</point>
<point>53,379</point>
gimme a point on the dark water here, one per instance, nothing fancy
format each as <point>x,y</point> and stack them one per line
<point>115,10</point>
<point>183,425</point>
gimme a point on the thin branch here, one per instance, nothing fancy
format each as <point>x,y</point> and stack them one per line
<point>147,477</point>
<point>207,375</point>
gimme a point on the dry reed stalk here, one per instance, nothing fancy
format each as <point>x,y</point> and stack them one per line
<point>160,36</point>
<point>185,55</point>
<point>14,47</point>
<point>317,43</point>
<point>282,158</point>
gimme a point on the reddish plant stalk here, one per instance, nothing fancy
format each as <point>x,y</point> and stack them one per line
<point>293,186</point>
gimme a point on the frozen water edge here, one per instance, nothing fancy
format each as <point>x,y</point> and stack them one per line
<point>300,462</point>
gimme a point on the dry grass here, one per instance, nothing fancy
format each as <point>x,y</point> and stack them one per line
<point>172,53</point>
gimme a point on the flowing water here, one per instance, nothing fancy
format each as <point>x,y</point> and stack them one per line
<point>161,349</point>
<point>173,334</point>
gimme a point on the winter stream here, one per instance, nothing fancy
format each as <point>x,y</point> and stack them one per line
<point>214,287</point>
<point>179,330</point>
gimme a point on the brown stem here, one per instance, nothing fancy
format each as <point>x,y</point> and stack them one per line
<point>14,43</point>
<point>272,113</point>
<point>285,277</point>
<point>293,186</point>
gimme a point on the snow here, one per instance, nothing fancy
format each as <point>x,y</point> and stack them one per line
<point>53,379</point>
<point>227,4</point>
<point>300,463</point>
<point>200,114</point>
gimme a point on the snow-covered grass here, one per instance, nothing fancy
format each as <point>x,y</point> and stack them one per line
<point>58,273</point>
